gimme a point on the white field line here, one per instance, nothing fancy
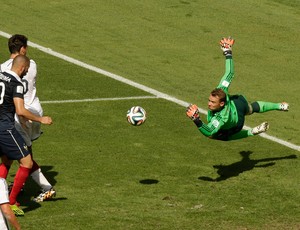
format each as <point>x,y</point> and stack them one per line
<point>139,86</point>
<point>98,99</point>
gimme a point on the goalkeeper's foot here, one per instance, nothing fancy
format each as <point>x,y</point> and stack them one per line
<point>263,127</point>
<point>45,195</point>
<point>192,112</point>
<point>284,106</point>
<point>17,211</point>
<point>226,45</point>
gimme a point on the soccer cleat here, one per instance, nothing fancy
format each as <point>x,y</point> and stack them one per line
<point>284,106</point>
<point>263,127</point>
<point>45,195</point>
<point>192,112</point>
<point>17,211</point>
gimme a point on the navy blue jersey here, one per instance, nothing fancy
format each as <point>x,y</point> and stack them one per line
<point>10,87</point>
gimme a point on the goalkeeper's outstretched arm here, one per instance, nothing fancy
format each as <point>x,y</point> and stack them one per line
<point>228,75</point>
<point>226,46</point>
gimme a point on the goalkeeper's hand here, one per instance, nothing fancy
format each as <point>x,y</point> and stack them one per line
<point>226,46</point>
<point>192,112</point>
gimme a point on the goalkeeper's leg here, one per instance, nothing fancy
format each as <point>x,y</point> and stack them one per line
<point>263,127</point>
<point>240,135</point>
<point>262,106</point>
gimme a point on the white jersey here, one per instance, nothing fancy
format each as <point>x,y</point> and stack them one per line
<point>3,200</point>
<point>29,81</point>
<point>29,130</point>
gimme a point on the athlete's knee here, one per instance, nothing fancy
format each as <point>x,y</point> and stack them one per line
<point>26,162</point>
<point>253,108</point>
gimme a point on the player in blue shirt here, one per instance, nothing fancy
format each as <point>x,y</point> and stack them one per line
<point>12,145</point>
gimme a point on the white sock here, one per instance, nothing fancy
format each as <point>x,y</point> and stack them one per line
<point>41,180</point>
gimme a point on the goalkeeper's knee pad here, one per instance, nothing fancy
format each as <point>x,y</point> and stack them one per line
<point>254,107</point>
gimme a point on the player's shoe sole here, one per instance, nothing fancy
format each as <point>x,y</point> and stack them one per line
<point>284,106</point>
<point>263,127</point>
<point>45,195</point>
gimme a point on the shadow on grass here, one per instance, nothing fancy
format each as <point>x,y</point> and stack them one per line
<point>31,205</point>
<point>48,173</point>
<point>31,189</point>
<point>149,181</point>
<point>246,164</point>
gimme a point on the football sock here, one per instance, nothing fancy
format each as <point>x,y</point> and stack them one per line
<point>40,179</point>
<point>19,181</point>
<point>35,166</point>
<point>262,106</point>
<point>4,170</point>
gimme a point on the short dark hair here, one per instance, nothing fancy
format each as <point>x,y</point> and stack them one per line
<point>20,60</point>
<point>16,42</point>
<point>218,92</point>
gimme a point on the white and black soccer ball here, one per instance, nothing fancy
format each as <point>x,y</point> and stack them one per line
<point>136,115</point>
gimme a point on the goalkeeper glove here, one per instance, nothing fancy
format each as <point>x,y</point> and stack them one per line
<point>192,112</point>
<point>226,46</point>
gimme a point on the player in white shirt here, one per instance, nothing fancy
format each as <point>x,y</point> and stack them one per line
<point>7,217</point>
<point>29,130</point>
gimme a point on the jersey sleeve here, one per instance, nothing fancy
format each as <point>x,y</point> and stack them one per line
<point>32,68</point>
<point>29,82</point>
<point>211,127</point>
<point>228,75</point>
<point>18,90</point>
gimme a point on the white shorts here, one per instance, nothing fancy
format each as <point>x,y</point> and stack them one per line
<point>30,130</point>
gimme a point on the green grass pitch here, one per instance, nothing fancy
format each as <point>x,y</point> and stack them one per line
<point>162,174</point>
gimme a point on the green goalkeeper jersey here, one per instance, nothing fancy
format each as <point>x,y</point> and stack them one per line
<point>227,118</point>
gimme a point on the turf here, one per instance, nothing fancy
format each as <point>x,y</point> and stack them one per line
<point>163,174</point>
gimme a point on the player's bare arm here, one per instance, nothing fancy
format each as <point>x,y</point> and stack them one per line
<point>10,216</point>
<point>22,111</point>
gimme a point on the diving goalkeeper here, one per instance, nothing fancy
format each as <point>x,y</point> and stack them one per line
<point>226,115</point>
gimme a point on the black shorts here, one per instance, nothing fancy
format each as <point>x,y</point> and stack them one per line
<point>12,145</point>
<point>242,108</point>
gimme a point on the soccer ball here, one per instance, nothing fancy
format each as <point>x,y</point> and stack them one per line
<point>136,115</point>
